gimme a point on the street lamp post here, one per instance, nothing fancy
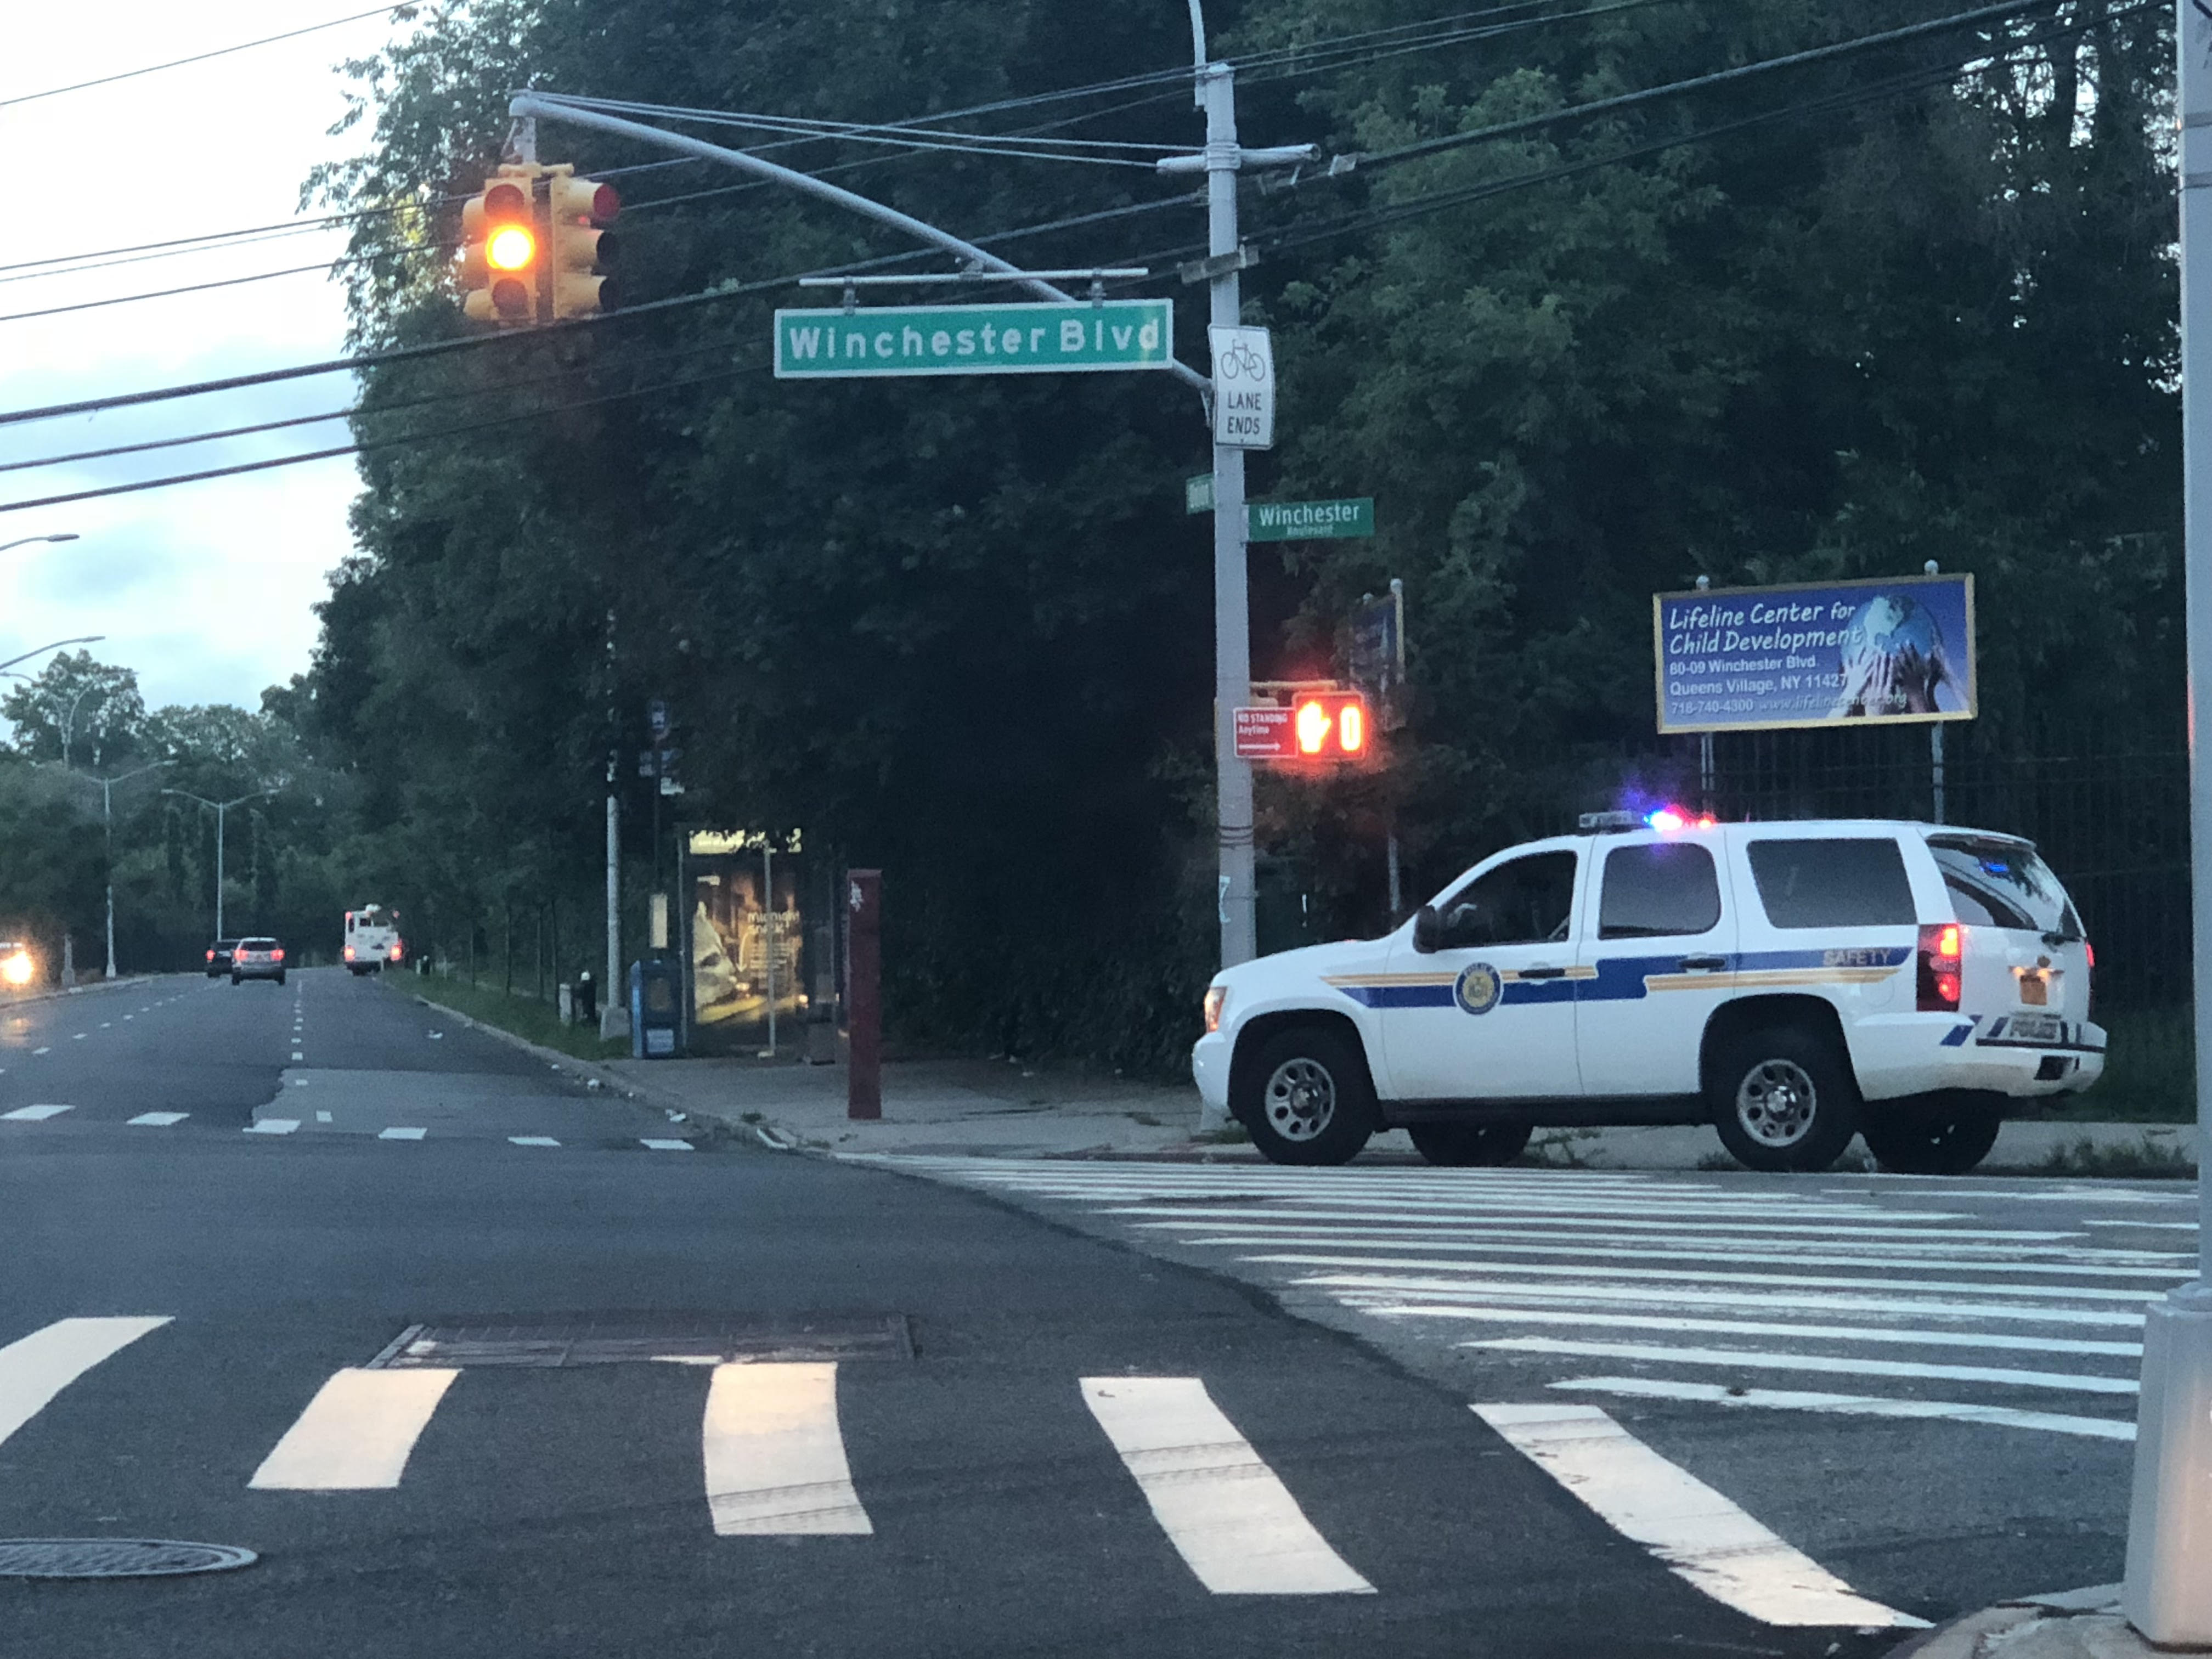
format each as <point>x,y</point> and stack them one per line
<point>25,541</point>
<point>107,837</point>
<point>54,645</point>
<point>219,808</point>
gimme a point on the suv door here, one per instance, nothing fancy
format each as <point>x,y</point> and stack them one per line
<point>1660,949</point>
<point>1489,1014</point>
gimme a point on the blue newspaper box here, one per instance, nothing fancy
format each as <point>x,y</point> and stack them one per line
<point>656,1004</point>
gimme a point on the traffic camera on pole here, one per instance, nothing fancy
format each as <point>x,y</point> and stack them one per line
<point>501,257</point>
<point>581,249</point>
<point>1329,725</point>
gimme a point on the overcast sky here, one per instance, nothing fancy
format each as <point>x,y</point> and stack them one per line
<point>204,588</point>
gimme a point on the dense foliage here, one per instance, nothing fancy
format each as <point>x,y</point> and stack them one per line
<point>1893,306</point>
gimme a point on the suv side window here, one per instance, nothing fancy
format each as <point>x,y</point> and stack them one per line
<point>1855,883</point>
<point>1658,889</point>
<point>1525,901</point>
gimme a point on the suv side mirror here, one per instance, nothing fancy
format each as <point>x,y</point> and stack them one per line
<point>1427,928</point>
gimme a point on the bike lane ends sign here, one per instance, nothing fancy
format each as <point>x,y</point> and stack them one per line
<point>1243,387</point>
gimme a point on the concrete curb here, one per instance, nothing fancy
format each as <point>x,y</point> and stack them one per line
<point>614,1085</point>
<point>2083,1624</point>
<point>13,1000</point>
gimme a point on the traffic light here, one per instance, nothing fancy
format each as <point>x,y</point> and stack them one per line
<point>581,250</point>
<point>1329,725</point>
<point>501,258</point>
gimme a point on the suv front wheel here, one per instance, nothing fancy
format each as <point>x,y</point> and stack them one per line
<point>1304,1098</point>
<point>1783,1098</point>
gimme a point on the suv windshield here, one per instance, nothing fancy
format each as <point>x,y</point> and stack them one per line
<point>2002,884</point>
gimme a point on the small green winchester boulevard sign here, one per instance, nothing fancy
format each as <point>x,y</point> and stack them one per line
<point>1015,339</point>
<point>1301,521</point>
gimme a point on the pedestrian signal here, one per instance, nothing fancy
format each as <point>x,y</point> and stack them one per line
<point>1330,726</point>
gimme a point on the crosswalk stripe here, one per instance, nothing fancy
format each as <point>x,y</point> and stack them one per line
<point>1701,1536</point>
<point>1650,1387</point>
<point>1246,1218</point>
<point>1233,1522</point>
<point>1721,1250</point>
<point>2037,1342</point>
<point>1848,1364</point>
<point>273,1126</point>
<point>1605,1295</point>
<point>34,1369</point>
<point>356,1433</point>
<point>774,1455</point>
<point>1674,1275</point>
<point>159,1120</point>
<point>34,1113</point>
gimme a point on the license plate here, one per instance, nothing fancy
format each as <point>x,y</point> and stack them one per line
<point>2035,1028</point>
<point>2034,991</point>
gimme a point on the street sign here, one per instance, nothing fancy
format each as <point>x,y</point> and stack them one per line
<point>1243,387</point>
<point>1198,494</point>
<point>1302,521</point>
<point>1008,339</point>
<point>1815,654</point>
<point>1264,733</point>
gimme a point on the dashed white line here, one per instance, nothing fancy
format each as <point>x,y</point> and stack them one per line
<point>1700,1535</point>
<point>322,1117</point>
<point>356,1433</point>
<point>273,1126</point>
<point>1234,1522</point>
<point>47,1050</point>
<point>666,1145</point>
<point>77,1036</point>
<point>296,1054</point>
<point>157,1120</point>
<point>1845,1364</point>
<point>532,1140</point>
<point>34,1113</point>
<point>1647,1388</point>
<point>399,1134</point>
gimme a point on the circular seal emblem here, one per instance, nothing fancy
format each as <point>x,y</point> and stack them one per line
<point>1478,988</point>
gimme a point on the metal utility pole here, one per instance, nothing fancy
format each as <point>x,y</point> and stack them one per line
<point>614,1005</point>
<point>219,808</point>
<point>107,837</point>
<point>2167,1591</point>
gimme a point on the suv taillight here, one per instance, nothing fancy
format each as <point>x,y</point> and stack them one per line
<point>276,954</point>
<point>1943,951</point>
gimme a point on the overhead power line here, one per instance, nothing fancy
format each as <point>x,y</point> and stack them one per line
<point>404,13</point>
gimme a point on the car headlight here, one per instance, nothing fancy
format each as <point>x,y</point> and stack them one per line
<point>1216,998</point>
<point>18,969</point>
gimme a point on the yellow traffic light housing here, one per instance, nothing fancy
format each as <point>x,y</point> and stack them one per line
<point>501,259</point>
<point>580,249</point>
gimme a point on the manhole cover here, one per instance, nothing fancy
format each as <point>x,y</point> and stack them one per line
<point>114,1558</point>
<point>554,1340</point>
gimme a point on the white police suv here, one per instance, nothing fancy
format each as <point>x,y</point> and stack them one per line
<point>1792,984</point>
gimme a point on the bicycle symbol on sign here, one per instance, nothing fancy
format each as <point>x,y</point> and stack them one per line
<point>1241,362</point>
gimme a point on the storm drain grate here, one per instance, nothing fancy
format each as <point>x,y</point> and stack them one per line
<point>115,1557</point>
<point>555,1341</point>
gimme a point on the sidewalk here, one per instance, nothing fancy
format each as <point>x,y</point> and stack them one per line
<point>975,1107</point>
<point>2083,1624</point>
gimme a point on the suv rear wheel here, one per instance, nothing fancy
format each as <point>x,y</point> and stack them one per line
<point>1783,1098</point>
<point>1304,1098</point>
<point>1939,1139</point>
<point>1463,1145</point>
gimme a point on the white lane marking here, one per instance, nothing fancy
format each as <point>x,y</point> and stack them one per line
<point>775,1456</point>
<point>1606,1296</point>
<point>299,1083</point>
<point>1676,1275</point>
<point>399,1134</point>
<point>322,1117</point>
<point>1845,1364</point>
<point>159,1120</point>
<point>1235,1524</point>
<point>1648,1388</point>
<point>106,1025</point>
<point>34,1369</point>
<point>1589,1210</point>
<point>1246,1218</point>
<point>1700,1535</point>
<point>667,1146</point>
<point>273,1126</point>
<point>34,1113</point>
<point>2035,1343</point>
<point>2159,1226</point>
<point>296,1054</point>
<point>355,1433</point>
<point>47,1050</point>
<point>77,1036</point>
<point>129,1016</point>
<point>1720,1250</point>
<point>532,1140</point>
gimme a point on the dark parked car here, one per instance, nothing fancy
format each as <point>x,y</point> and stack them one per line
<point>256,959</point>
<point>218,957</point>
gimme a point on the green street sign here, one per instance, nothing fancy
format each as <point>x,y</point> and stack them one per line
<point>1198,494</point>
<point>1012,340</point>
<point>1302,521</point>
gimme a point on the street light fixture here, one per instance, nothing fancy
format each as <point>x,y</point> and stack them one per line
<point>25,541</point>
<point>219,808</point>
<point>82,639</point>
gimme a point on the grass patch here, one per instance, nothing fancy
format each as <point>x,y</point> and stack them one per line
<point>2150,1071</point>
<point>1232,1134</point>
<point>526,1016</point>
<point>1557,1150</point>
<point>2144,1159</point>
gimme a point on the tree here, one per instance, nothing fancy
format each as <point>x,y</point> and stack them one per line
<point>76,711</point>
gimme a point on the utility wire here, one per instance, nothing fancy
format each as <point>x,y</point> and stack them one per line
<point>163,292</point>
<point>402,13</point>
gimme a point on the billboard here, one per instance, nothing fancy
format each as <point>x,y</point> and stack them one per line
<point>1871,652</point>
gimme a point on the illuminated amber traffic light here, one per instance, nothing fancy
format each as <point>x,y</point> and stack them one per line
<point>501,258</point>
<point>581,249</point>
<point>1330,726</point>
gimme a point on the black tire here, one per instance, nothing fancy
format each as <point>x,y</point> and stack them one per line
<point>1783,1098</point>
<point>280,979</point>
<point>1461,1146</point>
<point>1942,1138</point>
<point>1304,1098</point>
<point>238,979</point>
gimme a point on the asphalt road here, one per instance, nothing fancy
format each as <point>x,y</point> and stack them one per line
<point>478,1393</point>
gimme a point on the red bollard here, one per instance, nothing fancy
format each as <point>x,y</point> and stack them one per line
<point>864,995</point>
